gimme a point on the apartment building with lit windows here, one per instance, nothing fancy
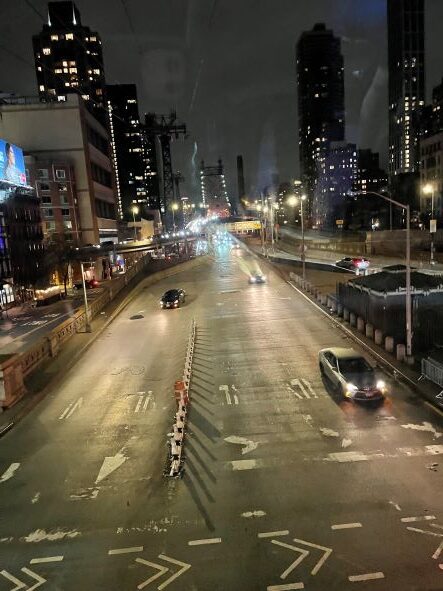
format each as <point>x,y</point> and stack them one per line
<point>69,59</point>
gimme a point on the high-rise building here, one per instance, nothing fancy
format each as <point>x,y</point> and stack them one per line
<point>128,147</point>
<point>369,175</point>
<point>69,59</point>
<point>336,175</point>
<point>406,66</point>
<point>321,103</point>
<point>213,188</point>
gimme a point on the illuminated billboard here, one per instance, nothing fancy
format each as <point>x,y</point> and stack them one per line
<point>12,164</point>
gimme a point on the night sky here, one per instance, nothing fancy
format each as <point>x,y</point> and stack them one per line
<point>228,68</point>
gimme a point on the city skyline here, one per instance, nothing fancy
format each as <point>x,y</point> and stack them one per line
<point>269,127</point>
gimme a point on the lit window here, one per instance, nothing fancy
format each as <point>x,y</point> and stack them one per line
<point>54,37</point>
<point>69,36</point>
<point>99,92</point>
<point>39,68</point>
<point>46,51</point>
<point>67,84</point>
<point>41,88</point>
<point>96,70</point>
<point>92,39</point>
<point>58,70</point>
<point>61,98</point>
<point>85,97</point>
<point>73,70</point>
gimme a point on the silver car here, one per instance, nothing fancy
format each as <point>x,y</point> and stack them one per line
<point>350,374</point>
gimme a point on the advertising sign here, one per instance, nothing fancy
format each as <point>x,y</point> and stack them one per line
<point>12,164</point>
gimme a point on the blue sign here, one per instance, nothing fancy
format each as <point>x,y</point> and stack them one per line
<point>12,164</point>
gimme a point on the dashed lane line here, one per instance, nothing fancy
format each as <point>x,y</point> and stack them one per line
<point>46,559</point>
<point>125,550</point>
<point>420,518</point>
<point>289,587</point>
<point>204,542</point>
<point>346,525</point>
<point>273,534</point>
<point>366,577</point>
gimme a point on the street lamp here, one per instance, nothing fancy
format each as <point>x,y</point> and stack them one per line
<point>85,299</point>
<point>134,210</point>
<point>293,200</point>
<point>428,189</point>
<point>408,270</point>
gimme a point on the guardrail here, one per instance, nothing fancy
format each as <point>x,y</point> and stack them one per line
<point>176,439</point>
<point>433,371</point>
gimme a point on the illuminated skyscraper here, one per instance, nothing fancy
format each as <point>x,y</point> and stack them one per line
<point>320,83</point>
<point>68,58</point>
<point>406,64</point>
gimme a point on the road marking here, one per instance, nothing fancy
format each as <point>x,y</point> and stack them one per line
<point>304,386</point>
<point>437,525</point>
<point>424,426</point>
<point>9,472</point>
<point>143,401</point>
<point>19,584</point>
<point>273,534</point>
<point>303,554</point>
<point>184,568</point>
<point>225,388</point>
<point>327,553</point>
<point>438,551</point>
<point>346,525</point>
<point>110,463</point>
<point>249,514</point>
<point>421,518</point>
<point>289,587</point>
<point>162,570</point>
<point>366,577</point>
<point>236,440</point>
<point>46,559</point>
<point>425,531</point>
<point>204,542</point>
<point>35,498</point>
<point>71,408</point>
<point>354,456</point>
<point>125,550</point>
<point>246,464</point>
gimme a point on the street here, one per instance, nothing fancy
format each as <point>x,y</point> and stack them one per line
<point>286,486</point>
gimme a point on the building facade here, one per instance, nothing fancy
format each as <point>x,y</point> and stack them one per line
<point>55,187</point>
<point>431,175</point>
<point>69,59</point>
<point>369,175</point>
<point>406,68</point>
<point>67,132</point>
<point>336,175</point>
<point>321,103</point>
<point>213,190</point>
<point>128,148</point>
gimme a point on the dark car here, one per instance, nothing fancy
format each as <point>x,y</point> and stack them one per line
<point>89,283</point>
<point>353,263</point>
<point>257,278</point>
<point>351,374</point>
<point>173,298</point>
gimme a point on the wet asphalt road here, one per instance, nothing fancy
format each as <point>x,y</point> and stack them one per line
<point>286,486</point>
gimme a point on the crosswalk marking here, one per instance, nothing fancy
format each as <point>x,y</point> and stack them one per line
<point>305,387</point>
<point>143,401</point>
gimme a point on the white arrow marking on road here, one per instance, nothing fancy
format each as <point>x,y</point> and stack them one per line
<point>71,408</point>
<point>249,445</point>
<point>9,472</point>
<point>184,568</point>
<point>110,463</point>
<point>303,554</point>
<point>19,584</point>
<point>327,553</point>
<point>162,570</point>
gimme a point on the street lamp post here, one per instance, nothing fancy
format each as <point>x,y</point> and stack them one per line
<point>85,299</point>
<point>428,189</point>
<point>293,201</point>
<point>408,270</point>
<point>134,210</point>
<point>174,208</point>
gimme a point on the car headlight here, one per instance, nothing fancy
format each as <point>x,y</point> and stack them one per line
<point>351,387</point>
<point>176,302</point>
<point>381,385</point>
<point>252,279</point>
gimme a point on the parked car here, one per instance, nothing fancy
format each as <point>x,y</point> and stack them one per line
<point>257,278</point>
<point>173,298</point>
<point>353,263</point>
<point>350,374</point>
